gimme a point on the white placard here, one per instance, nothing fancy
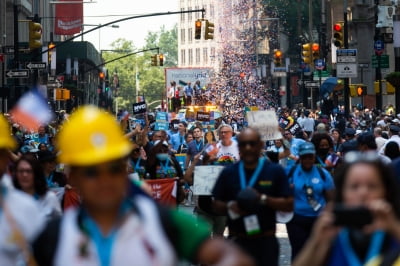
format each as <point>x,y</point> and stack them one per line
<point>266,123</point>
<point>205,177</point>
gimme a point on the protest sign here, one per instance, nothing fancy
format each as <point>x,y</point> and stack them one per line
<point>205,177</point>
<point>139,108</point>
<point>203,116</point>
<point>266,123</point>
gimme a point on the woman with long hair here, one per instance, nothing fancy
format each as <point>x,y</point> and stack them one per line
<point>362,226</point>
<point>29,177</point>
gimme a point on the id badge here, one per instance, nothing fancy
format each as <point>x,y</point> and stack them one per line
<point>134,176</point>
<point>251,224</point>
<point>315,205</point>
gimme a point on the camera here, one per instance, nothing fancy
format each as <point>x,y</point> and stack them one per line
<point>355,217</point>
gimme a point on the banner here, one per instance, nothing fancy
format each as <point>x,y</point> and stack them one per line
<point>69,17</point>
<point>181,158</point>
<point>139,108</point>
<point>205,177</point>
<point>164,190</point>
<point>266,124</point>
<point>203,116</point>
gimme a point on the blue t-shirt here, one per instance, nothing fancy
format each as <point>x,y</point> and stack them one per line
<point>188,91</point>
<point>177,140</point>
<point>300,179</point>
<point>294,149</point>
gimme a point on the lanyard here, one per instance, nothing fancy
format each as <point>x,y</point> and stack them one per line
<point>198,145</point>
<point>137,165</point>
<point>321,162</point>
<point>165,166</point>
<point>254,177</point>
<point>373,250</point>
<point>49,180</point>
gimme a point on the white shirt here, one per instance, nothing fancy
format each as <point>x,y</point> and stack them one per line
<point>50,205</point>
<point>307,124</point>
<point>131,244</point>
<point>394,138</point>
<point>19,213</point>
<point>380,141</point>
<point>228,154</point>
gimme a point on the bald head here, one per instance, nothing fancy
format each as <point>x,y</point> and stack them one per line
<point>249,132</point>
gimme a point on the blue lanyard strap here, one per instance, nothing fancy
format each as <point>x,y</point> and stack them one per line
<point>165,166</point>
<point>254,177</point>
<point>49,180</point>
<point>373,250</point>
<point>137,165</point>
<point>198,145</point>
<point>321,162</point>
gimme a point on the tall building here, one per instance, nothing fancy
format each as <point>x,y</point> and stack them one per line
<point>192,52</point>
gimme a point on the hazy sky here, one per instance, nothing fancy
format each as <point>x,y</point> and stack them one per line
<point>134,30</point>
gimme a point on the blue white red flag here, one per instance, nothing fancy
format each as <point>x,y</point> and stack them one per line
<point>31,111</point>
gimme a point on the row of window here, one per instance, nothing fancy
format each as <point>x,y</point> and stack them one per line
<point>196,15</point>
<point>189,58</point>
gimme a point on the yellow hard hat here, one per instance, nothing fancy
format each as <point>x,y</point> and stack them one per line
<point>6,140</point>
<point>91,136</point>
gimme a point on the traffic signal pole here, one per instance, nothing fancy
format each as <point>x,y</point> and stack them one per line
<point>124,19</point>
<point>346,88</point>
<point>378,71</point>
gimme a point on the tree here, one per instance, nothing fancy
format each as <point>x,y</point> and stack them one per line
<point>129,69</point>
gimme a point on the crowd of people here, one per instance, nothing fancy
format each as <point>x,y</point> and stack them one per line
<point>87,183</point>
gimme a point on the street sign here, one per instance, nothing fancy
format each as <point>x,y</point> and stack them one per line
<point>319,64</point>
<point>14,73</point>
<point>384,61</point>
<point>379,45</point>
<point>346,70</point>
<point>36,65</point>
<point>311,84</point>
<point>8,49</point>
<point>346,55</point>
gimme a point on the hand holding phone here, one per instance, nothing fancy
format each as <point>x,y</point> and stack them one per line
<point>355,217</point>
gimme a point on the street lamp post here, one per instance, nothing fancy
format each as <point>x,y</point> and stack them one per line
<point>115,26</point>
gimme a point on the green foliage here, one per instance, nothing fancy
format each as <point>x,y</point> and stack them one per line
<point>151,79</point>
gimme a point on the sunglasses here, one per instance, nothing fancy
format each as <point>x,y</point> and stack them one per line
<point>251,143</point>
<point>92,172</point>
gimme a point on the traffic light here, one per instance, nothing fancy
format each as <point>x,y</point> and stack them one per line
<point>306,53</point>
<point>209,31</point>
<point>50,48</point>
<point>102,76</point>
<point>161,59</point>
<point>154,61</point>
<point>35,35</point>
<point>277,57</point>
<point>315,51</point>
<point>361,90</point>
<point>338,34</point>
<point>197,29</point>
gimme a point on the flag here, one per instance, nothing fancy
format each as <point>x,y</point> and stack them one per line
<point>69,17</point>
<point>31,111</point>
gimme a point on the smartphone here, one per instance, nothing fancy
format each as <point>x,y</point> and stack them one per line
<point>355,217</point>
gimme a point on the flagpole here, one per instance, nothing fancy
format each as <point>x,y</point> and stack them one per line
<point>137,82</point>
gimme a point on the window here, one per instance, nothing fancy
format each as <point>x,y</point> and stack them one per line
<point>183,57</point>
<point>211,11</point>
<point>205,55</point>
<point>189,14</point>
<point>182,15</point>
<point>182,36</point>
<point>197,56</point>
<point>190,35</point>
<point>190,56</point>
<point>213,51</point>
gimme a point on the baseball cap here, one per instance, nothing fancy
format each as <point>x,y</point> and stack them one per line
<point>394,128</point>
<point>306,148</point>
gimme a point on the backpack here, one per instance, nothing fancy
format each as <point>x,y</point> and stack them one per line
<point>320,171</point>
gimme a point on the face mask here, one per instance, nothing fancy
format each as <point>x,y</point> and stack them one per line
<point>324,151</point>
<point>162,156</point>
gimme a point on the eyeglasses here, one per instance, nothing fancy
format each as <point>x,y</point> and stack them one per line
<point>354,157</point>
<point>252,143</point>
<point>225,132</point>
<point>115,168</point>
<point>22,171</point>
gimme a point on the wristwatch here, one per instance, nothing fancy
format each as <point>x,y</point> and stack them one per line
<point>263,199</point>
